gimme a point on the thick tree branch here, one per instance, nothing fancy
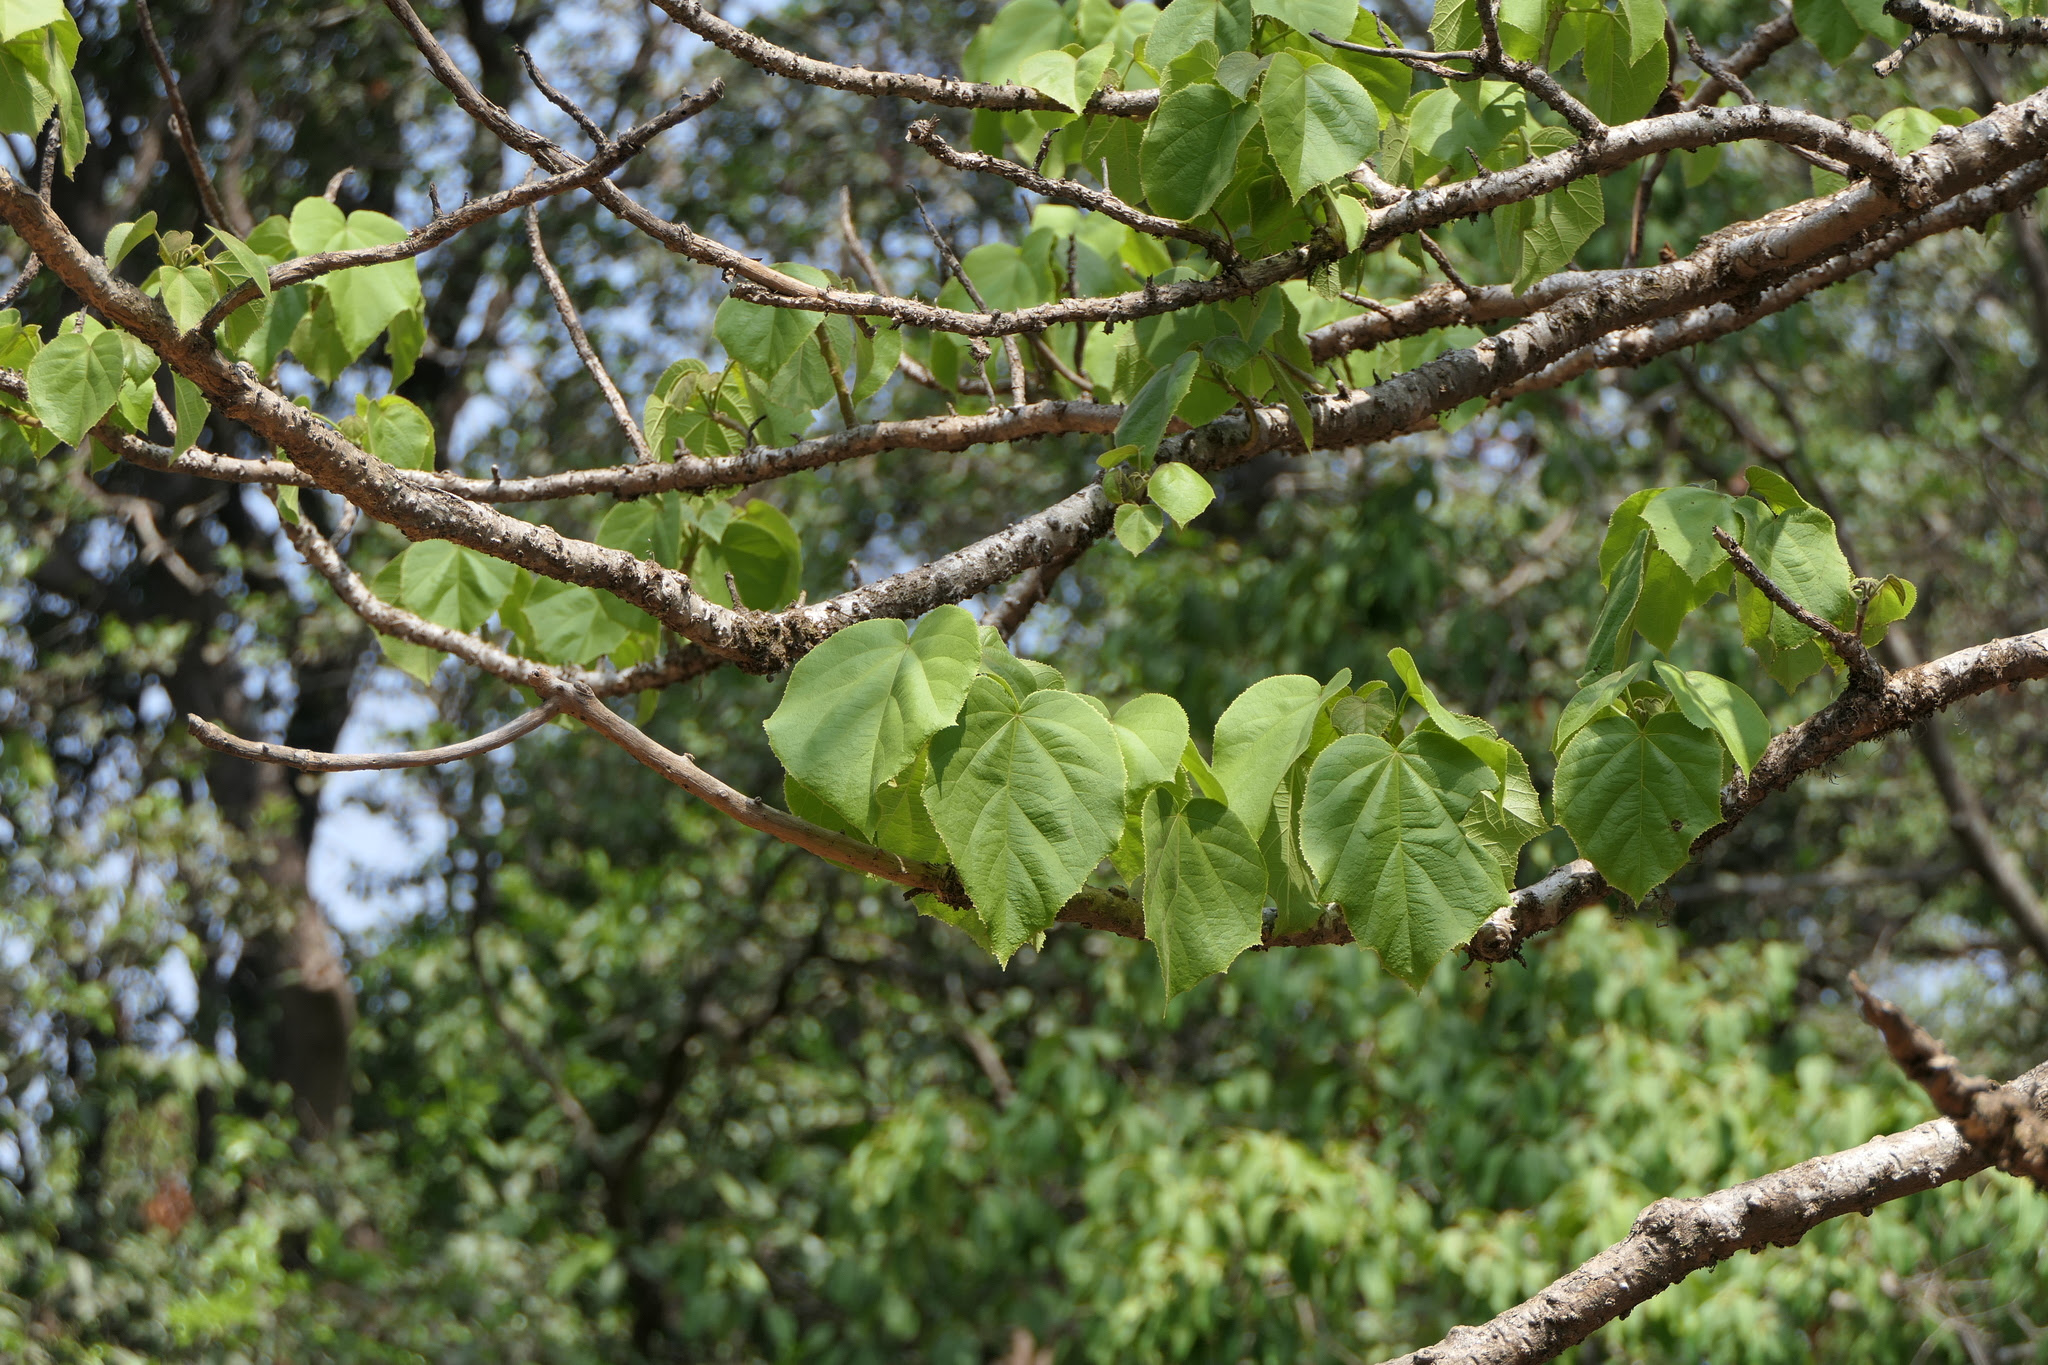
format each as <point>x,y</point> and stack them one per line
<point>2000,1124</point>
<point>1674,1237</point>
<point>1988,30</point>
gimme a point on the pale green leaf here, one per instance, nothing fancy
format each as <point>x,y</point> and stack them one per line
<point>1152,733</point>
<point>1051,74</point>
<point>1261,734</point>
<point>1381,829</point>
<point>859,707</point>
<point>1189,155</point>
<point>1718,705</point>
<point>1683,521</point>
<point>73,381</point>
<point>1634,794</point>
<point>123,238</point>
<point>1180,492</point>
<point>452,585</point>
<point>1205,884</point>
<point>1320,124</point>
<point>1137,527</point>
<point>1029,796</point>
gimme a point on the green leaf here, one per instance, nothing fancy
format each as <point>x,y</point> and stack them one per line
<point>1380,828</point>
<point>761,338</point>
<point>1151,408</point>
<point>1199,771</point>
<point>1893,601</point>
<point>73,381</point>
<point>1476,736</point>
<point>1239,71</point>
<point>1226,23</point>
<point>1018,30</point>
<point>416,661</point>
<point>1720,706</point>
<point>1052,75</point>
<point>1261,734</point>
<point>288,505</point>
<point>1180,492</point>
<point>1205,884</point>
<point>123,238</point>
<point>1334,17</point>
<point>1683,521</point>
<point>875,360</point>
<point>861,705</point>
<point>760,549</point>
<point>247,264</point>
<point>137,398</point>
<point>1137,527</point>
<point>1645,23</point>
<point>23,16</point>
<point>1774,489</point>
<point>1634,794</point>
<point>1189,155</point>
<point>1152,733</point>
<point>1798,551</point>
<point>452,585</point>
<point>902,824</point>
<point>364,298</point>
<point>191,410</point>
<point>1624,73</point>
<point>1668,597</point>
<point>1024,676</point>
<point>1610,646</point>
<point>1369,712</point>
<point>1837,27</point>
<point>397,432</point>
<point>1029,796</point>
<point>574,625</point>
<point>1622,528</point>
<point>1560,223</point>
<point>1592,699</point>
<point>1320,124</point>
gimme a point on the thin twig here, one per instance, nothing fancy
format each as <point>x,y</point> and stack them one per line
<point>314,761</point>
<point>181,124</point>
<point>47,149</point>
<point>561,101</point>
<point>949,262</point>
<point>855,247</point>
<point>642,452</point>
<point>1864,670</point>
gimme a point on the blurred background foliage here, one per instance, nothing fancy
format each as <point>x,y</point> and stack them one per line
<point>589,1075</point>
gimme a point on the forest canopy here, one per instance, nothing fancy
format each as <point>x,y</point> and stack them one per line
<point>1256,671</point>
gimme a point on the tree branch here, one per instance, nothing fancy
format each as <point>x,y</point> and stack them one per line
<point>1674,1237</point>
<point>1998,1123</point>
<point>1965,27</point>
<point>940,90</point>
<point>1864,671</point>
<point>181,125</point>
<point>581,340</point>
<point>312,761</point>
